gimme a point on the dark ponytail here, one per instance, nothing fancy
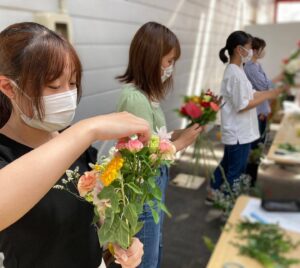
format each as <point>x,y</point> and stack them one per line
<point>222,55</point>
<point>237,38</point>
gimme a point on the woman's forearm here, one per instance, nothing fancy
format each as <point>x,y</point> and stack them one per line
<point>260,97</point>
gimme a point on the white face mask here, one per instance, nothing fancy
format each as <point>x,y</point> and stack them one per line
<point>248,57</point>
<point>59,112</point>
<point>167,72</point>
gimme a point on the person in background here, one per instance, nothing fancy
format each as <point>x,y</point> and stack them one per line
<point>40,87</point>
<point>147,80</point>
<point>260,82</point>
<point>239,126</point>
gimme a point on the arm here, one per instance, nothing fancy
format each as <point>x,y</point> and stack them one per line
<point>185,137</point>
<point>259,97</point>
<point>26,180</point>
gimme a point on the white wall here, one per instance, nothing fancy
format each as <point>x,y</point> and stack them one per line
<point>281,41</point>
<point>103,30</point>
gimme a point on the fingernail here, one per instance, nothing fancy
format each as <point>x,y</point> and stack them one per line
<point>124,257</point>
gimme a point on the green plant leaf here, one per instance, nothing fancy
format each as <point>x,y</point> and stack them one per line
<point>134,188</point>
<point>138,227</point>
<point>210,245</point>
<point>155,215</point>
<point>109,193</point>
<point>131,215</point>
<point>163,207</point>
<point>152,182</point>
<point>122,235</point>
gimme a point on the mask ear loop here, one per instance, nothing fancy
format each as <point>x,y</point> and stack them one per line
<point>14,84</point>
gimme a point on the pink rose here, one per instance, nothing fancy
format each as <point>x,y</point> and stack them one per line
<point>168,150</point>
<point>214,106</point>
<point>134,146</point>
<point>87,182</point>
<point>193,110</point>
<point>165,147</point>
<point>121,145</point>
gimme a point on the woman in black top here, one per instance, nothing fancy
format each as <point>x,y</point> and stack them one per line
<point>40,85</point>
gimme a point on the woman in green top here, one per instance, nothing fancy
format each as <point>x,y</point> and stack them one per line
<point>148,78</point>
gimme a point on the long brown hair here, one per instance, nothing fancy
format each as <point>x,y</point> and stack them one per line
<point>150,44</point>
<point>33,56</point>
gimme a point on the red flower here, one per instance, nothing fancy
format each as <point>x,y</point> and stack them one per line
<point>183,111</point>
<point>205,104</point>
<point>285,61</point>
<point>214,106</point>
<point>193,110</point>
<point>299,44</point>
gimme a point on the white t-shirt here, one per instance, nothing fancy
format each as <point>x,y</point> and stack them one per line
<point>236,89</point>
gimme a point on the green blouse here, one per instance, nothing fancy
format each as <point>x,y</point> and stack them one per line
<point>134,101</point>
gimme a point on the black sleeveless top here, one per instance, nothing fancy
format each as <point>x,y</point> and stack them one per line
<point>57,231</point>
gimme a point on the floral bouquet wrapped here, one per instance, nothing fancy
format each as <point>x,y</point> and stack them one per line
<point>119,185</point>
<point>291,66</point>
<point>203,110</point>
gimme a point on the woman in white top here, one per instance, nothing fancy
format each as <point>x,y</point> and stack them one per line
<point>239,125</point>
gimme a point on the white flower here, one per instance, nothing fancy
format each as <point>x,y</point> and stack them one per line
<point>163,134</point>
<point>292,66</point>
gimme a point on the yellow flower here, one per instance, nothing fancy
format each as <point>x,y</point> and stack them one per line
<point>98,167</point>
<point>195,99</point>
<point>112,170</point>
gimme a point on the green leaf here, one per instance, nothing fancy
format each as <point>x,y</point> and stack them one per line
<point>164,209</point>
<point>109,193</point>
<point>156,192</point>
<point>107,231</point>
<point>208,243</point>
<point>155,215</point>
<point>152,182</point>
<point>134,188</point>
<point>139,227</point>
<point>122,235</point>
<point>96,216</point>
<point>131,215</point>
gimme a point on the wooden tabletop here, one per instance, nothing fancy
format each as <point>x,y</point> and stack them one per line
<point>224,252</point>
<point>287,133</point>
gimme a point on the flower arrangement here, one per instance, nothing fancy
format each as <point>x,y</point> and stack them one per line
<point>291,66</point>
<point>201,109</point>
<point>119,185</point>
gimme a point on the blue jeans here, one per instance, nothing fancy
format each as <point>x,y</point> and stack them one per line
<point>234,164</point>
<point>151,233</point>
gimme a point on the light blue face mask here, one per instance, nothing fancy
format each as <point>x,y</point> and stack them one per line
<point>59,111</point>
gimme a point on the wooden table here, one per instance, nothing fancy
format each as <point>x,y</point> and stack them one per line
<point>225,252</point>
<point>287,133</point>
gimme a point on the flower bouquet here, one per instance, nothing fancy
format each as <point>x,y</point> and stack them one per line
<point>203,110</point>
<point>291,66</point>
<point>119,185</point>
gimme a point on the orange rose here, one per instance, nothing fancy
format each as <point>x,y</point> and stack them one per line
<point>87,182</point>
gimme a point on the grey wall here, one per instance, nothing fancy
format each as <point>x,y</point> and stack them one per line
<point>281,41</point>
